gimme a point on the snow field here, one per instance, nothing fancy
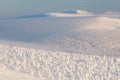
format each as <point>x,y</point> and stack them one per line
<point>48,65</point>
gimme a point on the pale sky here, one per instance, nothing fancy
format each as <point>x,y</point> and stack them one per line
<point>9,8</point>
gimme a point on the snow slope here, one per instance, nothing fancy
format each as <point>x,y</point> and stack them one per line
<point>100,35</point>
<point>6,74</point>
<point>74,45</point>
<point>72,13</point>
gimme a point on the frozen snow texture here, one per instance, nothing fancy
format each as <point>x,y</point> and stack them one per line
<point>48,65</point>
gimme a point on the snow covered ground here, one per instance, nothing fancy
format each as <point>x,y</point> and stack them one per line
<point>74,45</point>
<point>48,65</point>
<point>6,74</point>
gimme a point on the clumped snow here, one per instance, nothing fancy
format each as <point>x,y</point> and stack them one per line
<point>74,45</point>
<point>48,65</point>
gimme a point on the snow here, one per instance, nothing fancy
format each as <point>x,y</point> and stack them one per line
<point>104,23</point>
<point>74,45</point>
<point>48,65</point>
<point>72,13</point>
<point>110,13</point>
<point>6,74</point>
<point>33,29</point>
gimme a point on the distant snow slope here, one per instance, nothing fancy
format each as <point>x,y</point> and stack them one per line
<point>74,45</point>
<point>100,35</point>
<point>72,13</point>
<point>109,13</point>
<point>33,29</point>
<point>88,42</point>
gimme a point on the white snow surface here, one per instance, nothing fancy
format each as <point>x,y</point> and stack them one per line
<point>48,65</point>
<point>7,74</point>
<point>75,45</point>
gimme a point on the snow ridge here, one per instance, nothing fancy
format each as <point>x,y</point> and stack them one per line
<point>72,13</point>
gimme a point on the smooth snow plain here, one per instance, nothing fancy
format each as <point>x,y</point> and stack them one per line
<point>74,45</point>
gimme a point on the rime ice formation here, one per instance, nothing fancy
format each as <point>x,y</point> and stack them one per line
<point>49,65</point>
<point>74,45</point>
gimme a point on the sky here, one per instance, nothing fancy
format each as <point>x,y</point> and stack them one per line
<point>10,8</point>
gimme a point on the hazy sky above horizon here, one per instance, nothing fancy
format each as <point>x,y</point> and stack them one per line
<point>9,8</point>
